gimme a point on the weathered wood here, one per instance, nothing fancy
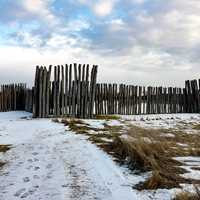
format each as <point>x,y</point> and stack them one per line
<point>55,92</point>
<point>70,90</point>
<point>74,98</point>
<point>66,89</point>
<point>48,87</point>
<point>44,93</point>
<point>62,91</point>
<point>40,91</point>
<point>58,91</point>
<point>36,95</point>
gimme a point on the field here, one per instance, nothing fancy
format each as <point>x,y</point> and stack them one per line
<point>110,157</point>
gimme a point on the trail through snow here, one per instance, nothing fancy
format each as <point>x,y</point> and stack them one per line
<point>46,162</point>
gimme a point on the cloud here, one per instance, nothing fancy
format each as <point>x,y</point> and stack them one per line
<point>101,8</point>
<point>40,8</point>
<point>142,41</point>
<point>139,67</point>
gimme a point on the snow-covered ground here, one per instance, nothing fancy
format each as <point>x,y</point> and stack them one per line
<point>47,162</point>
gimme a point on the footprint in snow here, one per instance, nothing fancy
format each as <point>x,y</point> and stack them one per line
<point>36,168</point>
<point>31,191</point>
<point>35,153</point>
<point>24,195</point>
<point>49,166</point>
<point>26,179</point>
<point>30,160</point>
<point>29,167</point>
<point>36,177</point>
<point>19,192</point>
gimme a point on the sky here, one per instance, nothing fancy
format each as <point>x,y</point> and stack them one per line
<point>139,42</point>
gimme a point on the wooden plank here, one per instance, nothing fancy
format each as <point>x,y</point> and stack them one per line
<point>48,91</point>
<point>140,100</point>
<point>92,89</point>
<point>79,92</point>
<point>86,103</point>
<point>62,91</point>
<point>66,89</point>
<point>44,93</point>
<point>70,90</point>
<point>74,93</point>
<point>58,92</point>
<point>40,91</point>
<point>55,92</point>
<point>35,96</point>
<point>83,92</point>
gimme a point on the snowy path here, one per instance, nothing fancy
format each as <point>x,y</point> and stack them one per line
<point>49,163</point>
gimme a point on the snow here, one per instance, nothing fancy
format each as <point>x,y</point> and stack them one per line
<point>99,124</point>
<point>162,120</point>
<point>189,164</point>
<point>48,162</point>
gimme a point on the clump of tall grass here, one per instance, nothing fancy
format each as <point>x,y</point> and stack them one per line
<point>3,149</point>
<point>188,195</point>
<point>149,150</point>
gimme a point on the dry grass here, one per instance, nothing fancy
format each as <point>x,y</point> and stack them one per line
<point>107,117</point>
<point>145,150</point>
<point>154,150</point>
<point>196,126</point>
<point>188,195</point>
<point>78,126</point>
<point>3,149</point>
<point>102,137</point>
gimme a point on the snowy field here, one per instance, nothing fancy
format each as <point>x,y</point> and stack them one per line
<point>49,162</point>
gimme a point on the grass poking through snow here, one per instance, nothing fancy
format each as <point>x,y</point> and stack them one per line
<point>145,150</point>
<point>107,117</point>
<point>154,150</point>
<point>188,195</point>
<point>4,149</point>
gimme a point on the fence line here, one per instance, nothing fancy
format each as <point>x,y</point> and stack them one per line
<point>131,100</point>
<point>12,97</point>
<point>70,91</point>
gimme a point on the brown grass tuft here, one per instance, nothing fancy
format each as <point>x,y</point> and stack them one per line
<point>2,164</point>
<point>107,117</point>
<point>196,126</point>
<point>4,148</point>
<point>188,195</point>
<point>145,150</point>
<point>153,150</point>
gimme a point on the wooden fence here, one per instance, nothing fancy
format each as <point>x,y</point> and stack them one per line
<point>12,97</point>
<point>133,100</point>
<point>29,100</point>
<point>70,91</point>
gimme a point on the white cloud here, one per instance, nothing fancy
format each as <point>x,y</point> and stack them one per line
<point>139,66</point>
<point>41,9</point>
<point>145,45</point>
<point>103,8</point>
